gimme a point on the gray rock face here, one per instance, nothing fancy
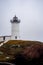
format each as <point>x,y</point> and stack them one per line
<point>6,63</point>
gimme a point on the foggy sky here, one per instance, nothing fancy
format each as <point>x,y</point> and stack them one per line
<point>30,12</point>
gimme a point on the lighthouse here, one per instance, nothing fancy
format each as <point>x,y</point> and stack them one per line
<point>15,28</point>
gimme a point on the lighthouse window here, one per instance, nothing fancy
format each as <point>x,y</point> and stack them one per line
<point>15,37</point>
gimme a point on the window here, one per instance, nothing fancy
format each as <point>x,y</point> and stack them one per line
<point>4,38</point>
<point>15,37</point>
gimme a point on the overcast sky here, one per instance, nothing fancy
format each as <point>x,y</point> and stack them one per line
<point>30,12</point>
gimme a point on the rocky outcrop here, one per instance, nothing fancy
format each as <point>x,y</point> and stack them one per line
<point>32,55</point>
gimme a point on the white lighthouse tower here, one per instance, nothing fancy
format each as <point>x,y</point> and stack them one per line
<point>15,28</point>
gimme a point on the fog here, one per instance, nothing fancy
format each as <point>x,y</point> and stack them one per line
<point>30,13</point>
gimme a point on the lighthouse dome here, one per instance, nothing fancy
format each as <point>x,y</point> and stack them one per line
<point>15,18</point>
